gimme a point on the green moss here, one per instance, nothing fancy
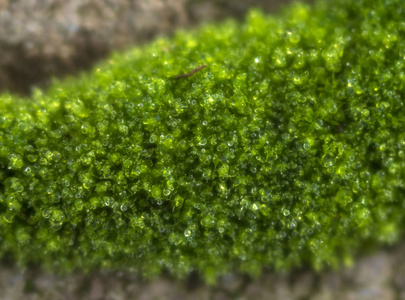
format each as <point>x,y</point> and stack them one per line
<point>288,148</point>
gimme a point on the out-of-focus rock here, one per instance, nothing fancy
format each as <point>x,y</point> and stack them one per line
<point>399,269</point>
<point>302,285</point>
<point>232,283</point>
<point>370,293</point>
<point>96,290</point>
<point>373,270</point>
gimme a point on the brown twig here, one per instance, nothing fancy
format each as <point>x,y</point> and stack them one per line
<point>191,72</point>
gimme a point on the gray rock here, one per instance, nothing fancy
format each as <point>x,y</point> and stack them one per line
<point>96,290</point>
<point>373,270</point>
<point>232,283</point>
<point>282,289</point>
<point>302,286</point>
<point>13,285</point>
<point>369,293</point>
<point>399,268</point>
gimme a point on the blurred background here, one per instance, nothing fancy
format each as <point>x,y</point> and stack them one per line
<point>42,39</point>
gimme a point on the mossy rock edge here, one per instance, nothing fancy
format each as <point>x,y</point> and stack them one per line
<point>286,149</point>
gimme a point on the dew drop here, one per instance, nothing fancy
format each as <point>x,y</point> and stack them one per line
<point>156,192</point>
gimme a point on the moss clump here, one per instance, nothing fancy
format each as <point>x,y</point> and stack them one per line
<point>288,148</point>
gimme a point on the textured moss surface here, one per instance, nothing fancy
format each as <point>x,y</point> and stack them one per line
<point>288,148</point>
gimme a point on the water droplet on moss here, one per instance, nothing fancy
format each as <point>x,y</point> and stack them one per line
<point>32,157</point>
<point>156,192</point>
<point>15,162</point>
